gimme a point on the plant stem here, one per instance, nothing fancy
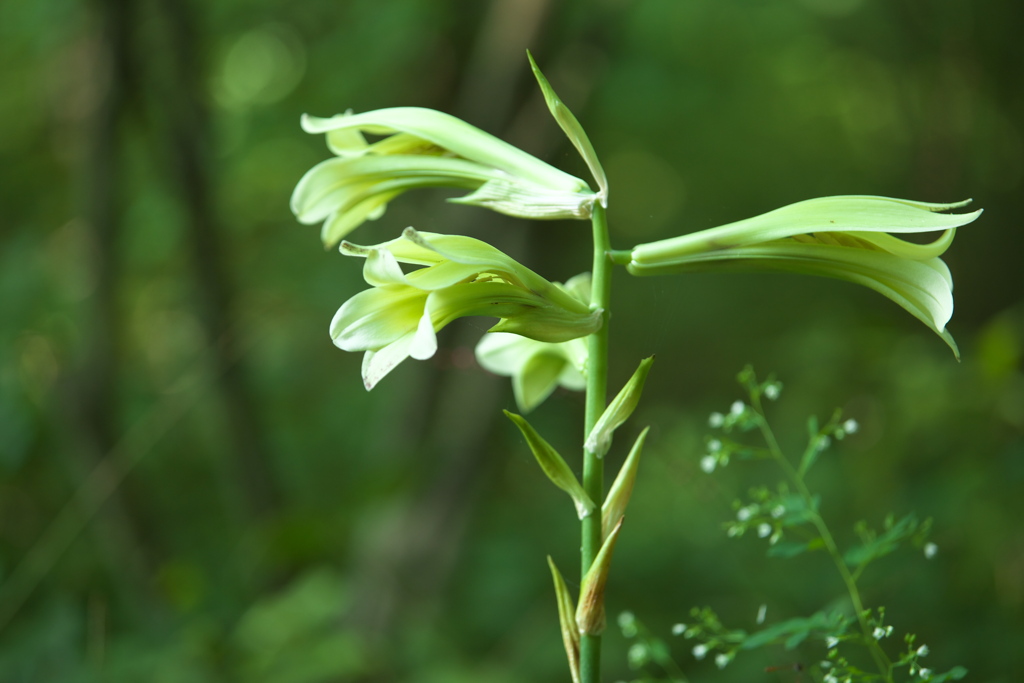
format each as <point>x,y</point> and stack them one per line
<point>597,386</point>
<point>877,653</point>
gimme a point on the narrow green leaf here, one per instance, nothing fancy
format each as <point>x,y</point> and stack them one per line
<point>788,549</point>
<point>572,128</point>
<point>622,488</point>
<point>554,466</point>
<point>954,674</point>
<point>874,547</point>
<point>570,633</point>
<point>618,411</point>
<point>799,627</point>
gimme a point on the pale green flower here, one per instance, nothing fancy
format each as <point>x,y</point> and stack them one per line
<point>462,276</point>
<point>425,148</point>
<point>838,237</point>
<point>537,367</point>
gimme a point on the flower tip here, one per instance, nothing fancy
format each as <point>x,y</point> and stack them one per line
<point>533,62</point>
<point>350,249</point>
<point>306,122</point>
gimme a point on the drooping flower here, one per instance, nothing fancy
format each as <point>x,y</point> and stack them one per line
<point>839,237</point>
<point>425,148</point>
<point>537,367</point>
<point>461,276</point>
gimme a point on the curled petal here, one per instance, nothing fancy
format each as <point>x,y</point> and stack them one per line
<point>450,133</point>
<point>826,214</point>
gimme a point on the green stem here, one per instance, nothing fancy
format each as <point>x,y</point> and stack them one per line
<point>597,386</point>
<point>877,653</point>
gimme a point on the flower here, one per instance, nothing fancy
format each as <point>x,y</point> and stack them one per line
<point>840,237</point>
<point>537,367</point>
<point>400,315</point>
<point>425,148</point>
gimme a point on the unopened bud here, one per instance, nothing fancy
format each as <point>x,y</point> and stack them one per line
<point>590,610</point>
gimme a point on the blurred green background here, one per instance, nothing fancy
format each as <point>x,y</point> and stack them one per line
<point>194,485</point>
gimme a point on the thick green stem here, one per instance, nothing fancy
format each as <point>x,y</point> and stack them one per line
<point>597,386</point>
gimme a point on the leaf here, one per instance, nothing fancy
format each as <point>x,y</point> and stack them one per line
<point>622,488</point>
<point>875,547</point>
<point>554,466</point>
<point>570,634</point>
<point>796,630</point>
<point>788,549</point>
<point>618,411</point>
<point>573,130</point>
<point>954,674</point>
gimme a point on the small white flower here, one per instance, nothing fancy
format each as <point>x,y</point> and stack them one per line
<point>714,446</point>
<point>699,651</point>
<point>716,420</point>
<point>829,678</point>
<point>831,642</point>
<point>925,673</point>
<point>737,408</point>
<point>764,530</point>
<point>851,426</point>
<point>823,443</point>
<point>708,463</point>
<point>923,651</point>
<point>761,613</point>
<point>678,629</point>
<point>638,655</point>
<point>778,511</point>
<point>879,633</point>
<point>930,550</point>
<point>721,660</point>
<point>745,513</point>
<point>771,392</point>
<point>825,664</point>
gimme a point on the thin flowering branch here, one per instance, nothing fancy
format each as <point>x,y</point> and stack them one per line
<point>796,477</point>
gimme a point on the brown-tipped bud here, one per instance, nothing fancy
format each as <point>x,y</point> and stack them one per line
<point>590,609</point>
<point>570,634</point>
<point>622,489</point>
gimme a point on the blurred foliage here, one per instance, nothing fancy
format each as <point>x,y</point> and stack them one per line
<point>194,485</point>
